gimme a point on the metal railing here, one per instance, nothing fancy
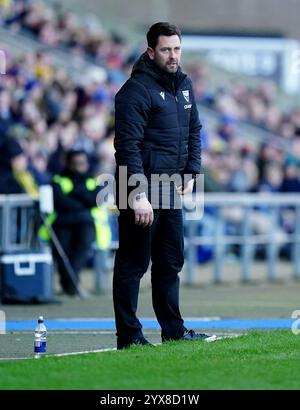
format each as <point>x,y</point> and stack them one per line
<point>247,235</point>
<point>19,216</point>
<point>18,221</point>
<point>250,210</point>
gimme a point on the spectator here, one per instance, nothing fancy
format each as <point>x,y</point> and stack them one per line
<point>77,221</point>
<point>14,177</point>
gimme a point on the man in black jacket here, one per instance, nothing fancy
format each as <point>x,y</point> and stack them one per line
<point>157,132</point>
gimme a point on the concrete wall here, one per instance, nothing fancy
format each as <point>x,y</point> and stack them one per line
<point>249,15</point>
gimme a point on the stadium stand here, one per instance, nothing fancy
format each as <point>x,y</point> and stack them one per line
<point>60,96</point>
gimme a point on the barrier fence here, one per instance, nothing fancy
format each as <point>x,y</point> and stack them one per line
<point>244,220</point>
<point>18,221</point>
<point>257,219</point>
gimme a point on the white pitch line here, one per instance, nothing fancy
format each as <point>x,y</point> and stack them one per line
<point>210,339</point>
<point>61,354</point>
<point>213,338</point>
<point>84,352</point>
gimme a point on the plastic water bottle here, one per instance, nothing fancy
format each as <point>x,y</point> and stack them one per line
<point>40,338</point>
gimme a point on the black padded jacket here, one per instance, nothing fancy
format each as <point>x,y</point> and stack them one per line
<point>157,122</point>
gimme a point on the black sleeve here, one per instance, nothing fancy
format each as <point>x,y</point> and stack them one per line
<point>10,149</point>
<point>85,197</point>
<point>132,106</point>
<point>64,202</point>
<point>194,146</point>
<point>13,148</point>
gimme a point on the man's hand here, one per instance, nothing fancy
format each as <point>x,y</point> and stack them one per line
<point>187,189</point>
<point>143,212</point>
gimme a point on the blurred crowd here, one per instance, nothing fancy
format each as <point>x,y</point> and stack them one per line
<point>237,164</point>
<point>48,112</point>
<point>83,37</point>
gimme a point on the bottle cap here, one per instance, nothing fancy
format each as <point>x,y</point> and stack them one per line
<point>41,319</point>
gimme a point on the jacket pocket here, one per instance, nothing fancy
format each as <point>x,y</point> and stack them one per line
<point>163,162</point>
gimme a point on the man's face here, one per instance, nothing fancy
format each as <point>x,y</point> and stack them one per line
<point>79,163</point>
<point>167,53</point>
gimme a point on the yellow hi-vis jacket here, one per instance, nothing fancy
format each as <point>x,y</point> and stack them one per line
<point>99,214</point>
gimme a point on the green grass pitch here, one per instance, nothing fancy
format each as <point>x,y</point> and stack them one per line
<point>257,360</point>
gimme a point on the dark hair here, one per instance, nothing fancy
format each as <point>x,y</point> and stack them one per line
<point>161,29</point>
<point>73,152</point>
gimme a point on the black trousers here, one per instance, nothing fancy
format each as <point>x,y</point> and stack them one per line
<point>163,243</point>
<point>76,241</point>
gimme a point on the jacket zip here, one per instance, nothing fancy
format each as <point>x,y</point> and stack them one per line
<point>179,135</point>
<point>178,125</point>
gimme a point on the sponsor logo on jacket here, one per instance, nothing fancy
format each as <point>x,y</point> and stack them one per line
<point>186,95</point>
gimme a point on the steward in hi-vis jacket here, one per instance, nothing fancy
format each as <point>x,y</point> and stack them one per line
<point>77,220</point>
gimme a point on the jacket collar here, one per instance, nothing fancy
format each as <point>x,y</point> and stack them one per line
<point>167,80</point>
